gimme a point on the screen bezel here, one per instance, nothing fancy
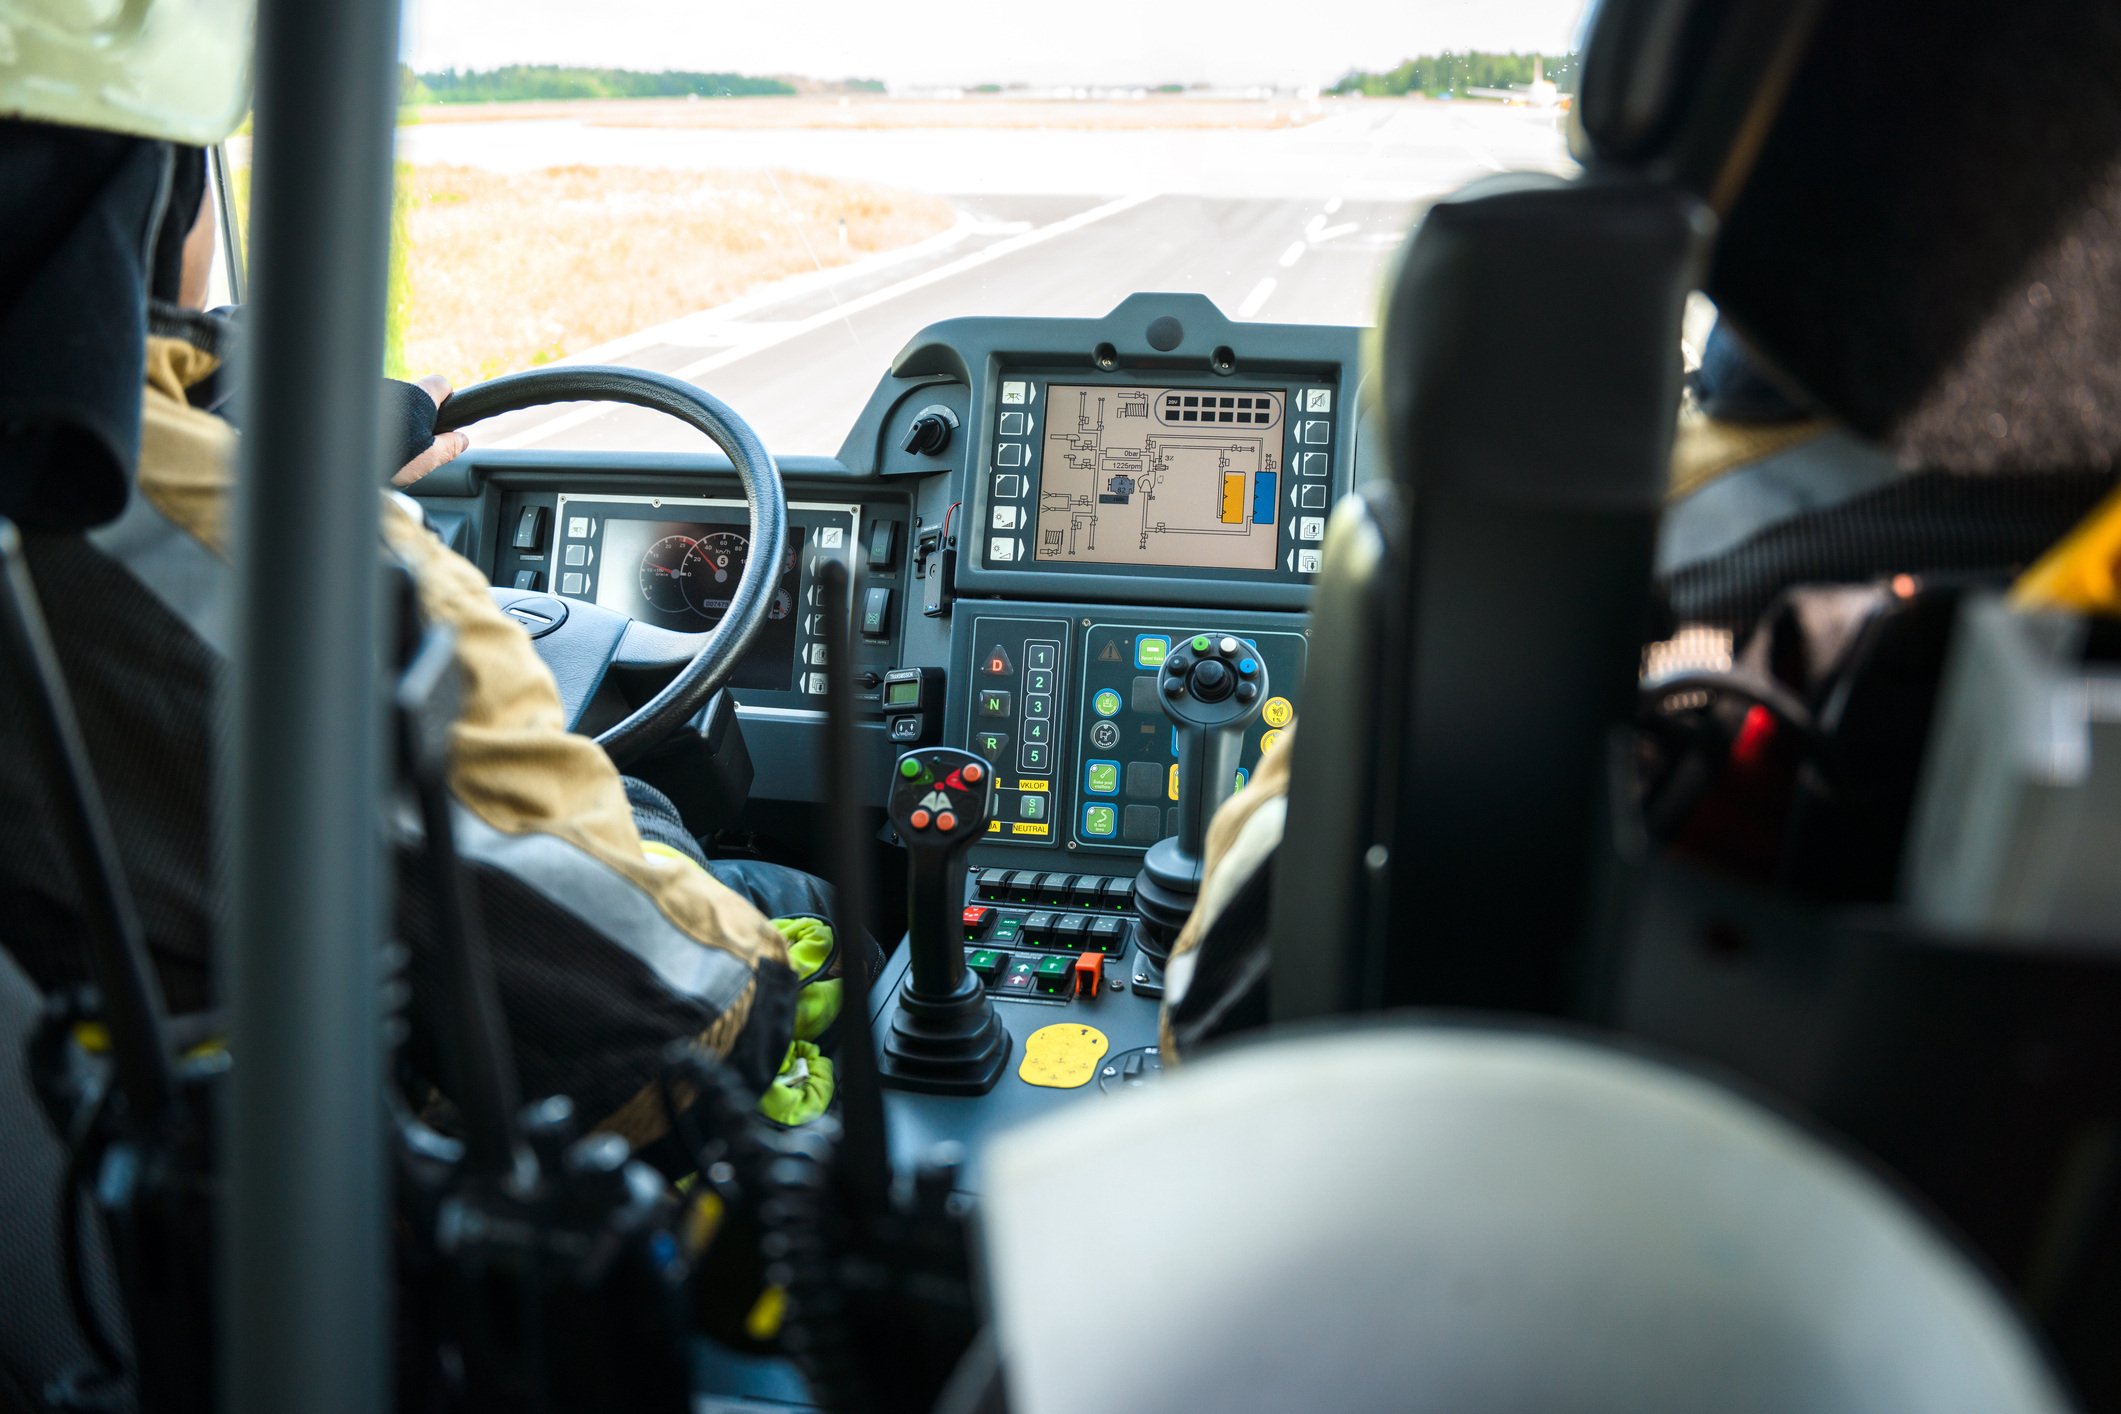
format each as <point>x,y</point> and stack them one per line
<point>1280,588</point>
<point>811,516</point>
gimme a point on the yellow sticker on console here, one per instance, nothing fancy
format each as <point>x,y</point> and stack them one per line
<point>1063,1056</point>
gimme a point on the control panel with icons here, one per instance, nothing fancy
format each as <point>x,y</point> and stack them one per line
<point>1033,935</point>
<point>1019,666</point>
<point>1190,480</point>
<point>1064,704</point>
<point>1125,753</point>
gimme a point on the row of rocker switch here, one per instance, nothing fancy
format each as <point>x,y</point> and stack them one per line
<point>1074,931</point>
<point>1028,886</point>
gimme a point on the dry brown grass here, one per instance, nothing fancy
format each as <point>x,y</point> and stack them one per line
<point>508,271</point>
<point>871,113</point>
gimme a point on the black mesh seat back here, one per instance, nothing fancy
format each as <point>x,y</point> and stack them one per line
<point>596,982</point>
<point>142,684</point>
<point>38,1339</point>
<point>1929,242</point>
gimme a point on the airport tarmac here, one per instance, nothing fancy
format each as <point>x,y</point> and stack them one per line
<point>1293,225</point>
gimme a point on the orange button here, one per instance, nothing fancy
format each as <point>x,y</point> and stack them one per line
<point>973,773</point>
<point>946,821</point>
<point>1089,971</point>
<point>919,820</point>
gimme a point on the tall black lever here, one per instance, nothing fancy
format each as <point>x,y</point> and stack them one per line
<point>1212,687</point>
<point>945,1037</point>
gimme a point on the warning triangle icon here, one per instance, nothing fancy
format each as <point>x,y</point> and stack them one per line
<point>1111,654</point>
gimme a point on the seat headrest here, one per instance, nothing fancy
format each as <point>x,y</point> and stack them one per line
<point>1409,1216</point>
<point>1929,241</point>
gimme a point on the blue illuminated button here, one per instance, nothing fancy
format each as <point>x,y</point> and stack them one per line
<point>1150,649</point>
<point>1106,702</point>
<point>1248,666</point>
<point>1100,821</point>
<point>1101,778</point>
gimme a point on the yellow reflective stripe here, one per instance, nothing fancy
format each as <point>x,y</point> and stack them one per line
<point>657,849</point>
<point>764,1322</point>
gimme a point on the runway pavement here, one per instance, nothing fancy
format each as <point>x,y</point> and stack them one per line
<point>1285,226</point>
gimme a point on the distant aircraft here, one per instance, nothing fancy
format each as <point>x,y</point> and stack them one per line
<point>1539,93</point>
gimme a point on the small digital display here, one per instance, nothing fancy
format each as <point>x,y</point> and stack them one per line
<point>903,694</point>
<point>680,575</point>
<point>1188,477</point>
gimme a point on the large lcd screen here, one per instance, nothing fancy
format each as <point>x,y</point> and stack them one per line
<point>1184,477</point>
<point>680,574</point>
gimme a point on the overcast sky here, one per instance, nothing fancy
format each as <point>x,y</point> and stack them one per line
<point>974,41</point>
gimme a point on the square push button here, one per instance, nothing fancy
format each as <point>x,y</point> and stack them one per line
<point>1145,780</point>
<point>1142,824</point>
<point>1143,698</point>
<point>985,963</point>
<point>1041,655</point>
<point>1100,822</point>
<point>1056,976</point>
<point>1150,650</point>
<point>1031,806</point>
<point>1101,778</point>
<point>994,702</point>
<point>1009,928</point>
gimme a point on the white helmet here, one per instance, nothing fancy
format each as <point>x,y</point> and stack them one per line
<point>173,69</point>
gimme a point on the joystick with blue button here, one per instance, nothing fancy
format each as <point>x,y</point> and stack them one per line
<point>1213,687</point>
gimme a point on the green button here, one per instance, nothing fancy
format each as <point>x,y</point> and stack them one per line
<point>1032,807</point>
<point>1100,820</point>
<point>1104,778</point>
<point>909,768</point>
<point>1055,966</point>
<point>1201,643</point>
<point>1007,928</point>
<point>986,962</point>
<point>1106,702</point>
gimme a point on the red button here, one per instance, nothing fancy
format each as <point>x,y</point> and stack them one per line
<point>919,820</point>
<point>976,918</point>
<point>1089,971</point>
<point>973,773</point>
<point>946,821</point>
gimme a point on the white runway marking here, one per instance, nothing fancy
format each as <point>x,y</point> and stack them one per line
<point>780,333</point>
<point>1333,206</point>
<point>1261,293</point>
<point>1293,254</point>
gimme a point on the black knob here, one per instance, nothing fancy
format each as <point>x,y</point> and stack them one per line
<point>929,435</point>
<point>1211,681</point>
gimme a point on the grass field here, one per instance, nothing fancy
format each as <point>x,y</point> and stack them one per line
<point>503,272</point>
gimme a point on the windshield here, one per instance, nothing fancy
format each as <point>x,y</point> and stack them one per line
<point>770,200</point>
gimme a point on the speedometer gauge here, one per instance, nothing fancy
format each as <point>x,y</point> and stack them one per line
<point>662,573</point>
<point>711,570</point>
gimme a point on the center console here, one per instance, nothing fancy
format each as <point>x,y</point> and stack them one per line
<point>1143,493</point>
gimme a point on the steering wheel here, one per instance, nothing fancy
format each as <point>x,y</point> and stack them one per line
<point>582,642</point>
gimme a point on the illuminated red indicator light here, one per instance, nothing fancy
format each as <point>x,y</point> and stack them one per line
<point>946,821</point>
<point>973,774</point>
<point>919,820</point>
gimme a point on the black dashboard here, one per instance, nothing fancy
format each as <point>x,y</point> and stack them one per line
<point>1034,514</point>
<point>1098,488</point>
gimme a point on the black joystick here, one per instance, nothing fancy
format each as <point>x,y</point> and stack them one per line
<point>945,1037</point>
<point>1212,687</point>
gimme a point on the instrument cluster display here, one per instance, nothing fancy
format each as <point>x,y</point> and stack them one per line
<point>680,575</point>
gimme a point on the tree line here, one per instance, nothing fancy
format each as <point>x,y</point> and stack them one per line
<point>519,82</point>
<point>1441,75</point>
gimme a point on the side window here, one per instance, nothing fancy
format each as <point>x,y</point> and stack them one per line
<point>231,189</point>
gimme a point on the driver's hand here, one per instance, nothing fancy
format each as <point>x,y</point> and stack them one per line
<point>447,446</point>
